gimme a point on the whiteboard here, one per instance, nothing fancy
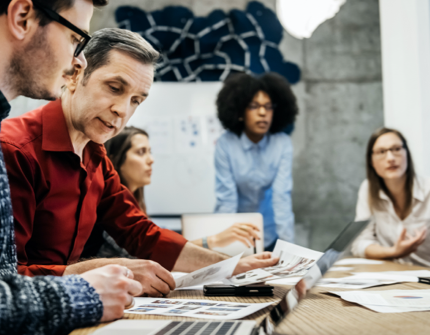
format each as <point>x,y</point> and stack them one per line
<point>181,121</point>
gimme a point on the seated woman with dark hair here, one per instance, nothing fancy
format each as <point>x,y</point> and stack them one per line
<point>130,153</point>
<point>253,159</point>
<point>396,201</point>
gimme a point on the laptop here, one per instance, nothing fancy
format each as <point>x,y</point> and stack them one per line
<point>268,326</point>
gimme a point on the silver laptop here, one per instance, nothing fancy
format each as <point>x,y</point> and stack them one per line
<point>268,326</point>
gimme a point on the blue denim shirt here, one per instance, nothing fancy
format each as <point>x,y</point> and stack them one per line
<point>257,177</point>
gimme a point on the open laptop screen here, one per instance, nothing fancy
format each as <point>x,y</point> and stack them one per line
<point>298,292</point>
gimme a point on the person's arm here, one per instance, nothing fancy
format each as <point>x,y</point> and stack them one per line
<point>367,244</point>
<point>281,198</point>
<point>193,258</point>
<point>46,305</point>
<point>404,246</point>
<point>57,305</point>
<point>23,175</point>
<point>225,185</point>
<point>120,215</point>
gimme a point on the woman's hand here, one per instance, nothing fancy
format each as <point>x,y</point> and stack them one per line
<point>242,232</point>
<point>407,244</point>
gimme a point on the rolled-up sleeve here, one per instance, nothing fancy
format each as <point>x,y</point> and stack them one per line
<point>225,185</point>
<point>281,200</point>
<point>368,236</point>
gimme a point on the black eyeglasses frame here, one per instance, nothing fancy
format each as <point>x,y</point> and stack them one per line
<point>61,20</point>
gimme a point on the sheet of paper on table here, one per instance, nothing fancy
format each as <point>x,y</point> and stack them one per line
<point>341,268</point>
<point>210,274</point>
<point>294,260</point>
<point>390,301</point>
<point>352,282</point>
<point>203,309</point>
<point>362,280</point>
<point>354,261</point>
<point>414,273</point>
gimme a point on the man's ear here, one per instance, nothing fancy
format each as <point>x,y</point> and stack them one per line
<point>74,79</point>
<point>21,19</point>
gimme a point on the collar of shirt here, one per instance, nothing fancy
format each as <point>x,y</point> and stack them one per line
<point>55,136</point>
<point>247,144</point>
<point>418,192</point>
<point>4,107</point>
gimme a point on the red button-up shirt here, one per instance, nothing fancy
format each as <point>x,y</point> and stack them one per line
<point>57,199</point>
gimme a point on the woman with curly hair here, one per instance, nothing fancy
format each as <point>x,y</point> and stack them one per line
<point>253,159</point>
<point>130,153</point>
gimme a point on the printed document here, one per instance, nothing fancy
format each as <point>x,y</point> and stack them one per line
<point>390,301</point>
<point>203,309</point>
<point>209,274</point>
<point>294,261</point>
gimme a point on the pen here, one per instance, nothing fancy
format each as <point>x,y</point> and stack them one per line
<point>255,247</point>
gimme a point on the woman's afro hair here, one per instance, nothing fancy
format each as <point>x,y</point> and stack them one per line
<point>238,92</point>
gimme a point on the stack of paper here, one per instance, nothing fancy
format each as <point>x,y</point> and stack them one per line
<point>391,301</point>
<point>293,261</point>
<point>203,309</point>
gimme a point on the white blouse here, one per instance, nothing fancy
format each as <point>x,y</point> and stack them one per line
<point>385,226</point>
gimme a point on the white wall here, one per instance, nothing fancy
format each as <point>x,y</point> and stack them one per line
<point>405,36</point>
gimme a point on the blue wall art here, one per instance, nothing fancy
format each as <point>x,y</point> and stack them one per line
<point>210,48</point>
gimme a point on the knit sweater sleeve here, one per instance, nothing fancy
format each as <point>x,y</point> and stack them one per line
<point>46,305</point>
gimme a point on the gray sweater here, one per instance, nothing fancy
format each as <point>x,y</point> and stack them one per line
<point>39,305</point>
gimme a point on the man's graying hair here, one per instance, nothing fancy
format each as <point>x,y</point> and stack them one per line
<point>105,40</point>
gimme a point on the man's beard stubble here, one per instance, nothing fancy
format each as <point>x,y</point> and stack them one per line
<point>32,66</point>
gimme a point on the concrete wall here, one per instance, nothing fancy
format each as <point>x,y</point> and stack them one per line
<point>340,99</point>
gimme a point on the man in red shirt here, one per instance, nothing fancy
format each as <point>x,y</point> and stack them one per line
<point>62,182</point>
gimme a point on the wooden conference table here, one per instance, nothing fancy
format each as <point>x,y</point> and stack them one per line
<point>320,313</point>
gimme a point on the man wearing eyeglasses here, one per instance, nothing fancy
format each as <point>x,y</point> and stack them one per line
<point>42,41</point>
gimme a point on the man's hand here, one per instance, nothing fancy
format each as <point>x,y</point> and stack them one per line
<point>407,244</point>
<point>246,233</point>
<point>116,288</point>
<point>156,281</point>
<point>252,262</point>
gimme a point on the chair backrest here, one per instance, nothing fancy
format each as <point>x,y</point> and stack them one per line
<point>195,226</point>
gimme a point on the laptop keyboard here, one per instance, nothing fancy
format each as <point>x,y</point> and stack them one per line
<point>199,328</point>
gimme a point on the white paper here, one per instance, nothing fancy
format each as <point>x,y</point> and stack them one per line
<point>210,274</point>
<point>294,260</point>
<point>285,281</point>
<point>203,309</point>
<point>414,273</point>
<point>341,268</point>
<point>352,282</point>
<point>250,277</point>
<point>389,301</point>
<point>399,278</point>
<point>353,261</point>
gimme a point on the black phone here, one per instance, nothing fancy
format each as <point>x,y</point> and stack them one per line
<point>244,291</point>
